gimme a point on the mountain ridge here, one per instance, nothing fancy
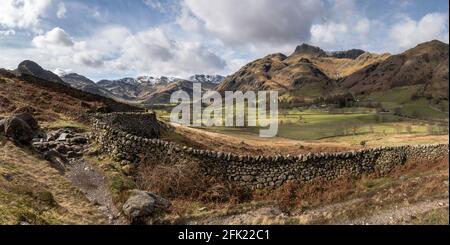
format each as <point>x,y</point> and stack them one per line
<point>426,64</point>
<point>32,68</point>
<point>307,49</point>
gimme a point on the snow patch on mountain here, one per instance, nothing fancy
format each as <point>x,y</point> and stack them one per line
<point>201,78</point>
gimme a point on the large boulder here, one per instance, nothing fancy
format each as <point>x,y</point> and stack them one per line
<point>29,119</point>
<point>18,129</point>
<point>142,204</point>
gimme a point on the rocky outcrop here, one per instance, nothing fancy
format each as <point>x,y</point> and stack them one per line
<point>263,171</point>
<point>60,146</point>
<point>142,204</point>
<point>309,50</point>
<point>29,119</point>
<point>29,67</point>
<point>349,54</point>
<point>21,128</point>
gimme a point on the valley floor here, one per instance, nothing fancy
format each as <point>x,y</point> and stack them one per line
<point>252,144</point>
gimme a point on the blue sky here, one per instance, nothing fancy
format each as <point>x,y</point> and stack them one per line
<point>117,38</point>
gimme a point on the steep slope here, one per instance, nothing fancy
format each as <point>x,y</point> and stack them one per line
<point>256,75</point>
<point>336,64</point>
<point>149,90</point>
<point>85,84</point>
<point>308,73</point>
<point>135,89</point>
<point>300,78</point>
<point>32,192</point>
<point>426,64</point>
<point>29,67</point>
<point>162,93</point>
<point>50,101</point>
<point>77,81</point>
<point>125,88</point>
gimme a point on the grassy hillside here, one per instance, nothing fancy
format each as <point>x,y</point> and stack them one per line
<point>404,101</point>
<point>49,101</point>
<point>33,192</point>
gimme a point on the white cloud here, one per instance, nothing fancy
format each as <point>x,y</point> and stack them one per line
<point>188,21</point>
<point>90,58</point>
<point>116,48</point>
<point>61,12</point>
<point>344,26</point>
<point>343,10</point>
<point>54,38</point>
<point>9,32</point>
<point>153,52</point>
<point>327,34</point>
<point>162,6</point>
<point>211,32</point>
<point>363,26</point>
<point>22,13</point>
<point>408,32</point>
<point>254,21</point>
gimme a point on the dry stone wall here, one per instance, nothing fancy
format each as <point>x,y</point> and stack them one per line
<point>259,171</point>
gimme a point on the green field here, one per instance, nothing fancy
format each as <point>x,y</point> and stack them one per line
<point>400,99</point>
<point>402,114</point>
<point>316,126</point>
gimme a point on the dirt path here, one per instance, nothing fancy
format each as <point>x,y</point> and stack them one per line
<point>271,214</point>
<point>398,214</point>
<point>27,169</point>
<point>93,184</point>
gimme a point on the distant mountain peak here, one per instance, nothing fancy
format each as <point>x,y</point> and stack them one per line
<point>201,78</point>
<point>433,42</point>
<point>306,49</point>
<point>348,54</point>
<point>29,64</point>
<point>428,47</point>
<point>75,76</point>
